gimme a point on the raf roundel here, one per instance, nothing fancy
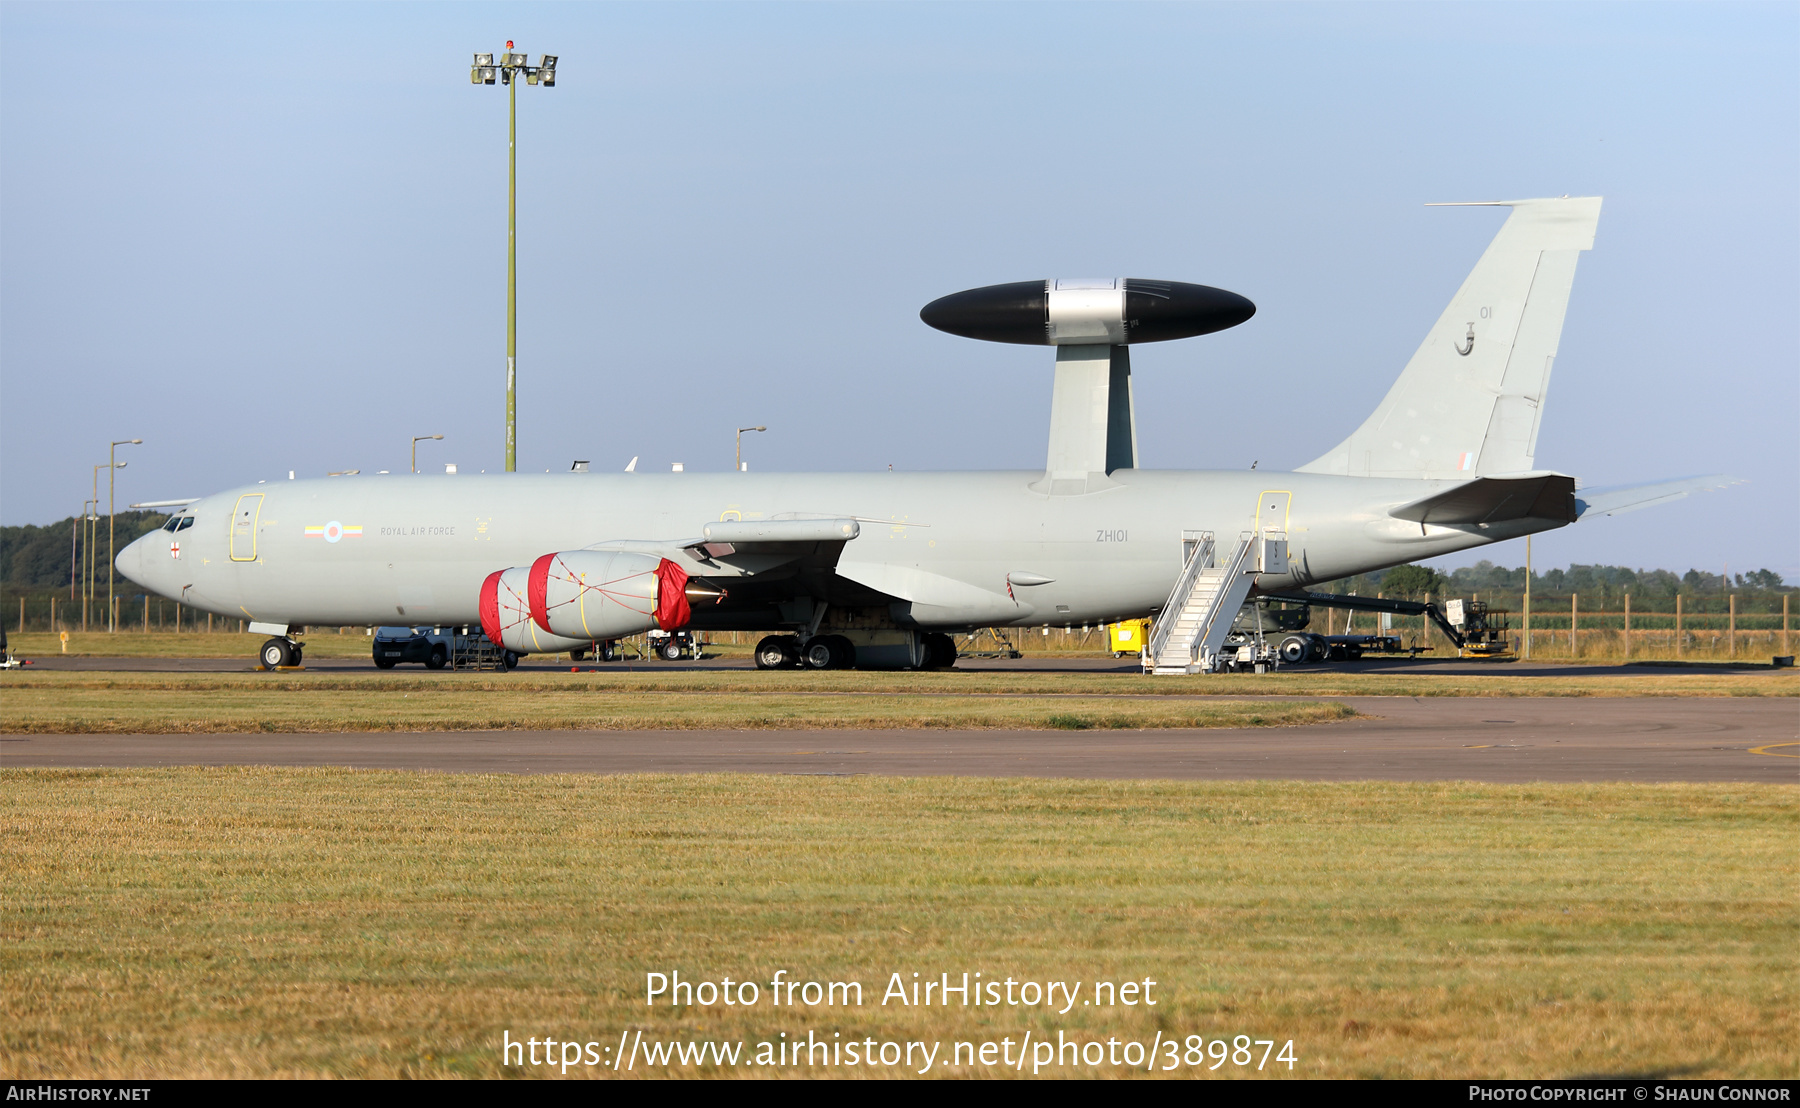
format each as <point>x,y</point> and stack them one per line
<point>333,531</point>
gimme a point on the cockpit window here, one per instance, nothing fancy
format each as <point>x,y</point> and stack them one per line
<point>186,522</point>
<point>174,521</point>
<point>178,523</point>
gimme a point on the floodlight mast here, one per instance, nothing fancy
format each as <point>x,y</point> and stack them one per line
<point>483,72</point>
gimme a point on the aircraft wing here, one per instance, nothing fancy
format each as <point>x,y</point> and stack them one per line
<point>735,548</point>
<point>934,598</point>
<point>1541,495</point>
<point>1614,499</point>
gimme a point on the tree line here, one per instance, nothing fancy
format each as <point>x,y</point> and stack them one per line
<point>1600,588</point>
<point>40,560</point>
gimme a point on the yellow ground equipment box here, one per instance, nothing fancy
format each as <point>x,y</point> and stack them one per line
<point>1128,637</point>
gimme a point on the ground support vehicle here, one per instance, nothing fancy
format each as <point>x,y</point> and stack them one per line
<point>1352,647</point>
<point>605,650</point>
<point>1484,629</point>
<point>436,648</point>
<point>672,646</point>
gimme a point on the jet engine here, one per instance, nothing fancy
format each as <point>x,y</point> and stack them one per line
<point>506,616</point>
<point>604,594</point>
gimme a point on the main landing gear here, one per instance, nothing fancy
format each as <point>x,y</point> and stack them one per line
<point>820,652</point>
<point>838,652</point>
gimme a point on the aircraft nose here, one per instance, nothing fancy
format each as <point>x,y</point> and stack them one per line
<point>134,561</point>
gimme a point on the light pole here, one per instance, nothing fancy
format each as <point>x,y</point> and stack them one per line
<point>415,450</point>
<point>112,523</point>
<point>740,445</point>
<point>90,517</point>
<point>483,72</point>
<point>93,530</point>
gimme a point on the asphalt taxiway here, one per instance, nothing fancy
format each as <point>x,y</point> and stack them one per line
<point>1493,739</point>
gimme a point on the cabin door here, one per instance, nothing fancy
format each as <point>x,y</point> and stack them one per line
<point>243,527</point>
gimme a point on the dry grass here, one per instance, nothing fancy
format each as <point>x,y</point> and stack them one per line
<point>431,705</point>
<point>287,922</point>
<point>47,701</point>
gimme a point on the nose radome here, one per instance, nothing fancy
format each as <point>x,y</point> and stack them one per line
<point>134,560</point>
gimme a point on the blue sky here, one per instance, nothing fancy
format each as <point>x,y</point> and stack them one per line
<point>271,237</point>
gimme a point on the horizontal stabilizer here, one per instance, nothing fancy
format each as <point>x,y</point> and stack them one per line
<point>1496,500</point>
<point>1614,499</point>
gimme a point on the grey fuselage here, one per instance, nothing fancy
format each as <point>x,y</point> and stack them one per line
<point>976,540</point>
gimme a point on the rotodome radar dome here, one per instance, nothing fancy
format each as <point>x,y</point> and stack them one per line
<point>1079,312</point>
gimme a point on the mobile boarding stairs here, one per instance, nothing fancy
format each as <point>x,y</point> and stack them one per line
<point>1189,633</point>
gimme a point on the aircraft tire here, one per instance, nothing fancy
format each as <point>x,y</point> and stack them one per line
<point>509,659</point>
<point>777,652</point>
<point>670,650</point>
<point>1295,650</point>
<point>940,651</point>
<point>828,652</point>
<point>278,652</point>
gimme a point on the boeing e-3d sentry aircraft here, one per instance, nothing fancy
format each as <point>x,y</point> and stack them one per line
<point>877,569</point>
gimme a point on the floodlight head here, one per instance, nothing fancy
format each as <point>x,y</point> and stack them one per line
<point>531,76</point>
<point>484,59</point>
<point>547,70</point>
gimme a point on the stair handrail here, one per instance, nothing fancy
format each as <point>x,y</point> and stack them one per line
<point>1247,545</point>
<point>1184,585</point>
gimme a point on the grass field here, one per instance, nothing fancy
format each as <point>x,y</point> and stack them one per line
<point>356,704</point>
<point>264,922</point>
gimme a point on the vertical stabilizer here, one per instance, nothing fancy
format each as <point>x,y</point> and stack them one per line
<point>1469,401</point>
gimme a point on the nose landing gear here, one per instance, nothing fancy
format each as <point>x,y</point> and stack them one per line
<point>280,653</point>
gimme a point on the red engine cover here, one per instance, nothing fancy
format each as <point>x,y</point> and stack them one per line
<point>534,590</point>
<point>490,607</point>
<point>672,611</point>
